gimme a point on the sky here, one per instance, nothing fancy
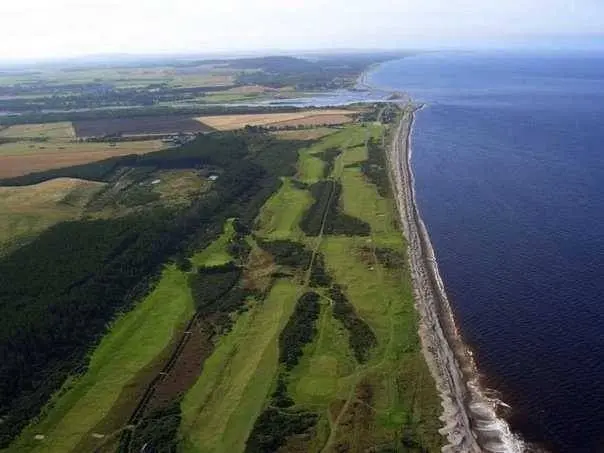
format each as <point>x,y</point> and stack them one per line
<point>36,29</point>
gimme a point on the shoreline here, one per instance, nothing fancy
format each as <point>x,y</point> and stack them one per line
<point>470,422</point>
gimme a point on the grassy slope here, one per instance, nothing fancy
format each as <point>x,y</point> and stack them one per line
<point>220,410</point>
<point>133,342</point>
<point>27,211</point>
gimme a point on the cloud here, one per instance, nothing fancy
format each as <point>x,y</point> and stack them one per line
<point>39,28</point>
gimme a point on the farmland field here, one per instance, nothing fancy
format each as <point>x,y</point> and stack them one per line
<point>314,120</point>
<point>138,126</point>
<point>62,130</point>
<point>24,157</point>
<point>310,117</point>
<point>26,211</point>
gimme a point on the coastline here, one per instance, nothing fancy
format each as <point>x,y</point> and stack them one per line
<point>470,422</point>
<point>362,82</point>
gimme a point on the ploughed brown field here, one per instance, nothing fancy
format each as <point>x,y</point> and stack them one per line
<point>306,118</point>
<point>18,159</point>
<point>138,126</point>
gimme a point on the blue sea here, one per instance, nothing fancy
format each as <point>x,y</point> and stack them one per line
<point>508,155</point>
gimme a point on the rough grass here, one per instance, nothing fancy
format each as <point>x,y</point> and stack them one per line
<point>231,122</point>
<point>25,157</point>
<point>28,210</point>
<point>62,130</point>
<point>220,410</point>
<point>133,342</point>
<point>179,186</point>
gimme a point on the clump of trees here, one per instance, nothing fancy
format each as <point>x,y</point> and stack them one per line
<point>157,431</point>
<point>389,258</point>
<point>325,214</point>
<point>329,157</point>
<point>274,426</point>
<point>299,330</point>
<point>319,276</point>
<point>375,168</point>
<point>209,285</point>
<point>361,337</point>
<point>287,253</point>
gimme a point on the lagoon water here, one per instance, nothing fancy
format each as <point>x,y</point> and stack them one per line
<point>508,156</point>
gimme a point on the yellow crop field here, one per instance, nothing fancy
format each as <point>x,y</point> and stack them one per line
<point>232,122</point>
<point>61,130</point>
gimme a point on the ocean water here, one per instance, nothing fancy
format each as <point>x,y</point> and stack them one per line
<point>508,156</point>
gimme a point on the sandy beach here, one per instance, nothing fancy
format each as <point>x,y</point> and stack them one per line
<point>469,419</point>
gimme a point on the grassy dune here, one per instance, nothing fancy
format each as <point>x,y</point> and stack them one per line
<point>132,343</point>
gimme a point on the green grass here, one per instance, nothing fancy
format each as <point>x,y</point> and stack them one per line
<point>318,378</point>
<point>220,410</point>
<point>404,394</point>
<point>216,254</point>
<point>310,167</point>
<point>281,215</point>
<point>133,342</point>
